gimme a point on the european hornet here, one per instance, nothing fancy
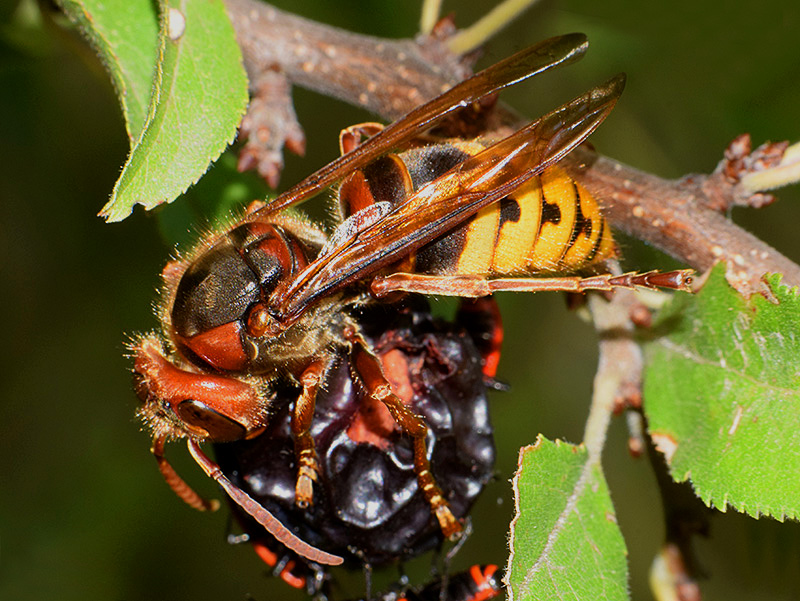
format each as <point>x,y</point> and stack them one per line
<point>272,299</point>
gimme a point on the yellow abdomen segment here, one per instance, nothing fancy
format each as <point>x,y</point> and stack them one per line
<point>516,238</point>
<point>479,245</point>
<point>558,208</point>
<point>550,225</point>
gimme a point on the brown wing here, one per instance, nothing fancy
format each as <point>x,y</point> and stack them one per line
<point>444,203</point>
<point>561,50</point>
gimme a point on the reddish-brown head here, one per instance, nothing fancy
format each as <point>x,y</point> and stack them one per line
<point>178,403</point>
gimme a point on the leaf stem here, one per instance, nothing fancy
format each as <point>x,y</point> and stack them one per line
<point>619,365</point>
<point>784,173</point>
<point>478,33</point>
<point>431,9</point>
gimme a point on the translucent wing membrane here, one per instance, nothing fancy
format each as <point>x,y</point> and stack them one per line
<point>545,55</point>
<point>449,200</point>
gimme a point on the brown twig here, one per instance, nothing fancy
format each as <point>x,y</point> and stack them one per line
<point>389,77</point>
<point>679,217</point>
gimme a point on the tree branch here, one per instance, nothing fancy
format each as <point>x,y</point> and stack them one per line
<point>389,77</point>
<point>677,217</point>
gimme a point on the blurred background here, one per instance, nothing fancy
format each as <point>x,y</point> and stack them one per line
<point>84,513</point>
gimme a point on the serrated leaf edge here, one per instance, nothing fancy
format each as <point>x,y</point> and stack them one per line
<point>665,442</point>
<point>111,211</point>
<point>558,527</point>
<point>666,445</point>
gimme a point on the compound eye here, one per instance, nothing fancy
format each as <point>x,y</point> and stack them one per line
<point>220,428</point>
<point>259,321</point>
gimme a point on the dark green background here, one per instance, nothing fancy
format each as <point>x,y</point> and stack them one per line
<point>83,511</point>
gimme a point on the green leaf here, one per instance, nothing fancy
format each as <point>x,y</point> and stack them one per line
<point>565,541</point>
<point>722,396</point>
<point>124,33</point>
<point>198,98</point>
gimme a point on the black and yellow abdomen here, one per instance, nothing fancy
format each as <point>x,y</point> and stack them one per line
<point>552,224</point>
